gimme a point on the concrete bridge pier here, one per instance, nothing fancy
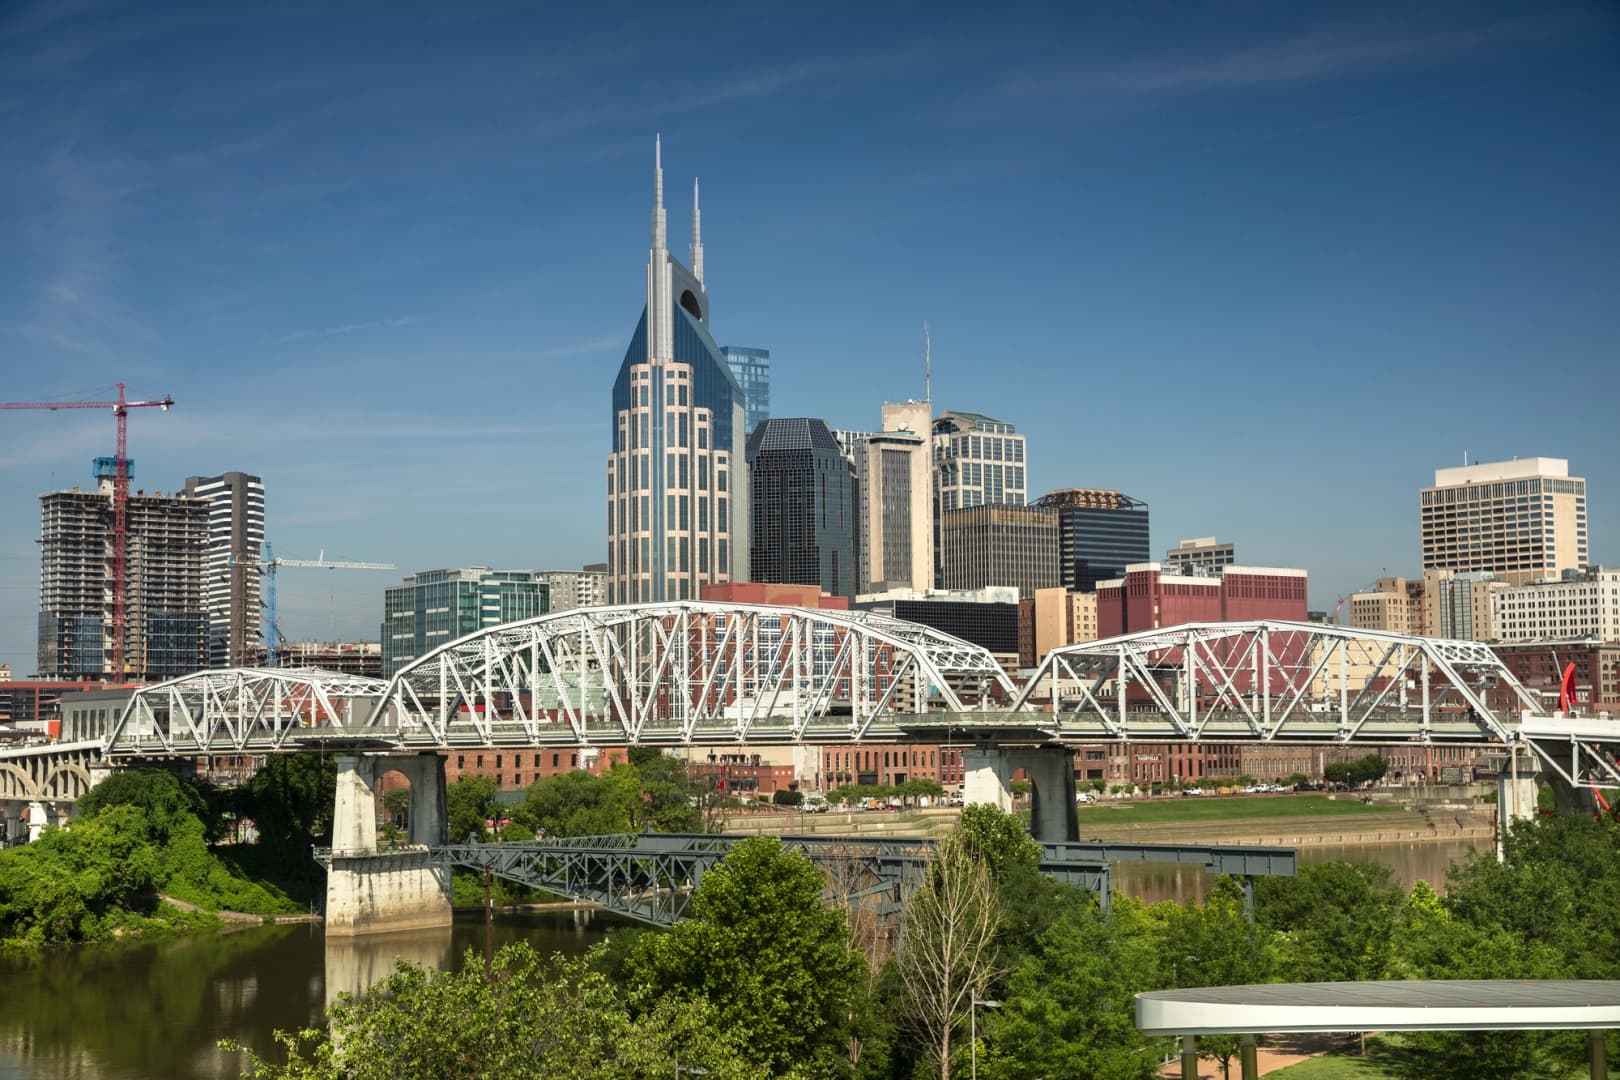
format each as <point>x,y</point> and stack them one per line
<point>987,775</point>
<point>370,890</point>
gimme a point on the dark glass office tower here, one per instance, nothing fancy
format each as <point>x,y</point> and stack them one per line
<point>803,507</point>
<point>1100,533</point>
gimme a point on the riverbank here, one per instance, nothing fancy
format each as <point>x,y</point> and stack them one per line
<point>1279,820</point>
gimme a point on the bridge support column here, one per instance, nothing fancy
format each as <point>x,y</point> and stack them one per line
<point>988,770</point>
<point>36,820</point>
<point>1053,819</point>
<point>368,890</point>
<point>985,776</point>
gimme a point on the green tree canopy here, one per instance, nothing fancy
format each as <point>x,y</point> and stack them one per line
<point>292,797</point>
<point>580,803</point>
<point>765,950</point>
<point>1333,921</point>
<point>1068,1008</point>
<point>168,802</point>
<point>531,1020</point>
<point>468,803</point>
<point>666,803</point>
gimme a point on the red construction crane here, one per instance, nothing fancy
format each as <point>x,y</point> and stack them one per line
<point>120,409</point>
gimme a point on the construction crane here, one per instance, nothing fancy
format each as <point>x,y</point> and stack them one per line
<point>268,564</point>
<point>120,409</point>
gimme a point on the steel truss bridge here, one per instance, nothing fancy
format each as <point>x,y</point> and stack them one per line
<point>650,877</point>
<point>695,673</point>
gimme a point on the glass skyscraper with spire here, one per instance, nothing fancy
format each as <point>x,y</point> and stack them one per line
<point>677,473</point>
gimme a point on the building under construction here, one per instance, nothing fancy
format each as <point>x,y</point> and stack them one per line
<point>231,566</point>
<point>166,619</point>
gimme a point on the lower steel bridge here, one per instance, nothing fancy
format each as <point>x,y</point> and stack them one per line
<point>651,877</point>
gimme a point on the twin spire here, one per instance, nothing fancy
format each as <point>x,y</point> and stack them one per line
<point>660,230</point>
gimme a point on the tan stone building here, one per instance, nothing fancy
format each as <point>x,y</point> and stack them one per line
<point>1521,520</point>
<point>1395,605</point>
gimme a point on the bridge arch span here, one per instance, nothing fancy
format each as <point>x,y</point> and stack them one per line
<point>668,672</point>
<point>1262,680</point>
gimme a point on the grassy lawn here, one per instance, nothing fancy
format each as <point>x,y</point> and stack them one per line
<point>1332,1067</point>
<point>1227,808</point>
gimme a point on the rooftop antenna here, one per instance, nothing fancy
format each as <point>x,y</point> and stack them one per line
<point>928,366</point>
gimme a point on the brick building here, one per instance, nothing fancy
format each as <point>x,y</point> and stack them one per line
<point>1147,598</point>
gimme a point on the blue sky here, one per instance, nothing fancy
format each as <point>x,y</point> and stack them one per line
<point>1263,265</point>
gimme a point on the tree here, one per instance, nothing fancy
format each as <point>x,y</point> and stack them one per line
<point>292,797</point>
<point>765,950</point>
<point>784,797</point>
<point>397,805</point>
<point>946,955</point>
<point>468,804</point>
<point>1068,1008</point>
<point>666,792</point>
<point>1214,944</point>
<point>1333,921</point>
<point>167,801</point>
<point>529,1020</point>
<point>579,803</point>
<point>998,839</point>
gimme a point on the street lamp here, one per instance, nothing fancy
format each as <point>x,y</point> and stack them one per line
<point>973,1024</point>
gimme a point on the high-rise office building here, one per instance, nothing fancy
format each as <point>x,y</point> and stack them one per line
<point>1200,554</point>
<point>1015,546</point>
<point>678,474</point>
<point>752,370</point>
<point>165,617</point>
<point>894,534</point>
<point>804,507</point>
<point>1100,533</point>
<point>231,565</point>
<point>434,607</point>
<point>587,587</point>
<point>978,461</point>
<point>1521,520</point>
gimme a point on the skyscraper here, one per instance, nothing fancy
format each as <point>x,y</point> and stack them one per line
<point>231,565</point>
<point>752,370</point>
<point>804,509</point>
<point>678,487</point>
<point>1015,546</point>
<point>894,541</point>
<point>1100,533</point>
<point>978,461</point>
<point>1521,520</point>
<point>165,630</point>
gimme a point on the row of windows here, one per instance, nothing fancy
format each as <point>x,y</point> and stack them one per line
<point>517,761</point>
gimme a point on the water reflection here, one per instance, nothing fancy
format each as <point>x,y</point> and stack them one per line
<point>149,1010</point>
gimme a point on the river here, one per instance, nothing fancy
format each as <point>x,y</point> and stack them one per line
<point>156,1010</point>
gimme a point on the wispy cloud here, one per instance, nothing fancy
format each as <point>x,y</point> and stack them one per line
<point>1318,54</point>
<point>351,328</point>
<point>582,348</point>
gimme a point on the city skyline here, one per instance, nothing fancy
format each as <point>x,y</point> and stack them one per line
<point>1280,264</point>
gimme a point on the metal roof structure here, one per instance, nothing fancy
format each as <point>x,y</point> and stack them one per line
<point>1415,1005</point>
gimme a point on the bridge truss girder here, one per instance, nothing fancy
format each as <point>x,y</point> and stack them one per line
<point>1264,680</point>
<point>238,710</point>
<point>683,672</point>
<point>651,877</point>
